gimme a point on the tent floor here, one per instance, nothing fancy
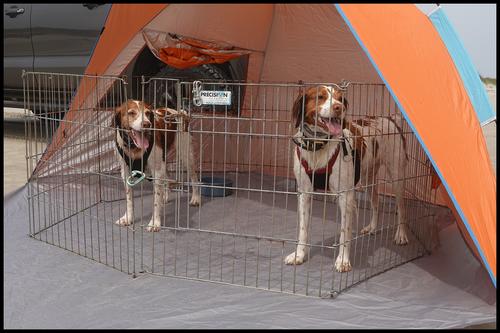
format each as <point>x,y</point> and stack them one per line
<point>446,289</point>
<point>240,239</point>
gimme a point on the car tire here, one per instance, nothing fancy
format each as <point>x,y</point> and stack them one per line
<point>158,92</point>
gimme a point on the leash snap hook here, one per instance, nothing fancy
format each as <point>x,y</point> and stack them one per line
<point>196,93</point>
<point>345,140</point>
<point>135,178</point>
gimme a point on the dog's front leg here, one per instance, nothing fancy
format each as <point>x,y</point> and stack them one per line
<point>128,217</point>
<point>155,223</point>
<point>185,147</point>
<point>370,229</point>
<point>347,205</point>
<point>196,196</point>
<point>160,189</point>
<point>298,257</point>
<point>401,236</point>
<point>304,209</point>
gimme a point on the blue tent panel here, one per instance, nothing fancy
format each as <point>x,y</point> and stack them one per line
<point>470,77</point>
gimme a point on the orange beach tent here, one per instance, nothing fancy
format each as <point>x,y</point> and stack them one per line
<point>418,57</point>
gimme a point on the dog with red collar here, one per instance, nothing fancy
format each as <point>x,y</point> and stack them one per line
<point>334,154</point>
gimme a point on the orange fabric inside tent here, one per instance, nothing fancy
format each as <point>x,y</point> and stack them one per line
<point>184,52</point>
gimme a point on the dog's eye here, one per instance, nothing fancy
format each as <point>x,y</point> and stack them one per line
<point>131,112</point>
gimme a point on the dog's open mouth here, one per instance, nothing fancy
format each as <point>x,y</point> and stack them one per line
<point>332,125</point>
<point>140,139</point>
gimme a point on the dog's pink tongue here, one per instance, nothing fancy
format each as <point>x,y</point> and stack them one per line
<point>140,140</point>
<point>334,128</point>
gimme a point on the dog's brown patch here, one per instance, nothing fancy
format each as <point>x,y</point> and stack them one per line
<point>363,122</point>
<point>166,128</point>
<point>360,144</point>
<point>167,121</point>
<point>401,133</point>
<point>339,96</point>
<point>375,148</point>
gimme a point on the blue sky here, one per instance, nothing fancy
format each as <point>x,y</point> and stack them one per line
<point>476,24</point>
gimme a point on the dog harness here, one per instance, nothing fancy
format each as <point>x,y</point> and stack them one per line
<point>321,175</point>
<point>320,181</point>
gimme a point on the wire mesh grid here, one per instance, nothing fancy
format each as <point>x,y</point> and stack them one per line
<point>247,222</point>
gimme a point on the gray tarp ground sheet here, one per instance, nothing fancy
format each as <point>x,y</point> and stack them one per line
<point>48,287</point>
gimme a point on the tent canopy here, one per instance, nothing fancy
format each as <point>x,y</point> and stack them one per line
<point>396,45</point>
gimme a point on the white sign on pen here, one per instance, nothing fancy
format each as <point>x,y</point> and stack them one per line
<point>210,97</point>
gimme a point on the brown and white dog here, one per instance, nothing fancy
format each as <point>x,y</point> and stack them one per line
<point>321,112</point>
<point>143,139</point>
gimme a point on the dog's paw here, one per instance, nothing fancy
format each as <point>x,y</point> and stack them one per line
<point>153,226</point>
<point>342,264</point>
<point>195,200</point>
<point>123,221</point>
<point>293,259</point>
<point>367,230</point>
<point>401,238</point>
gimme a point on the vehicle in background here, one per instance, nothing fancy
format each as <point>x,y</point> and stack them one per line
<point>60,38</point>
<point>48,38</point>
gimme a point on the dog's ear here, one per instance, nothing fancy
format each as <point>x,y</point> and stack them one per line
<point>151,116</point>
<point>340,96</point>
<point>298,109</point>
<point>117,119</point>
<point>171,97</point>
<point>346,103</point>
